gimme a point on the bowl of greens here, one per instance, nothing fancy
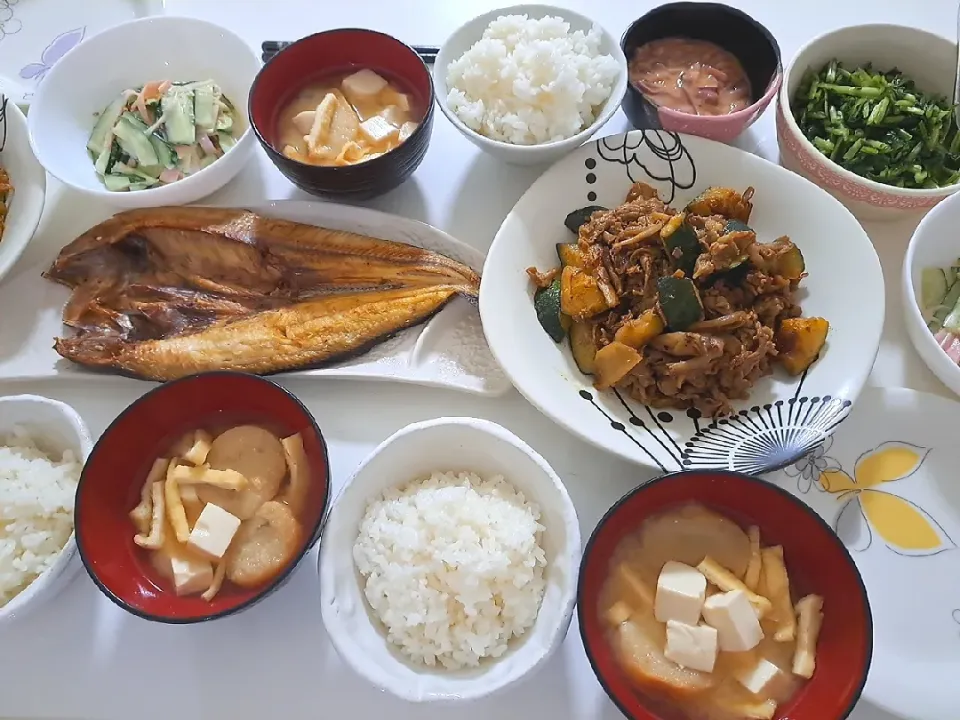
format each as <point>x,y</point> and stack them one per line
<point>163,127</point>
<point>866,113</point>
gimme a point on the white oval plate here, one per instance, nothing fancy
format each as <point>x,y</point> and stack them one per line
<point>887,482</point>
<point>449,350</point>
<point>784,417</point>
<point>29,185</point>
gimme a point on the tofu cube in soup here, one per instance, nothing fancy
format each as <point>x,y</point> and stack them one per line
<point>681,591</point>
<point>691,646</point>
<point>763,678</point>
<point>363,84</point>
<point>191,575</point>
<point>735,620</point>
<point>213,531</point>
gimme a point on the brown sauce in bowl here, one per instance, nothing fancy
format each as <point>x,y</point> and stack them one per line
<point>690,76</point>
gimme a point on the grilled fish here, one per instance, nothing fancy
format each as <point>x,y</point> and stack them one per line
<point>160,293</point>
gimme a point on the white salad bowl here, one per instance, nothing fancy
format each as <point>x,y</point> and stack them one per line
<point>463,38</point>
<point>933,245</point>
<point>784,417</point>
<point>447,444</point>
<point>29,185</point>
<point>55,427</point>
<point>89,77</point>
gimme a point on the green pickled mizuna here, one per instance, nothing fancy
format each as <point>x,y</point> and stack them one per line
<point>879,126</point>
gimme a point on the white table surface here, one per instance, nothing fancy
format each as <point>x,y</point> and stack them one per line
<point>82,657</point>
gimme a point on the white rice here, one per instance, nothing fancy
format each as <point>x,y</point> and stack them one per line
<point>453,566</point>
<point>531,81</point>
<point>36,510</point>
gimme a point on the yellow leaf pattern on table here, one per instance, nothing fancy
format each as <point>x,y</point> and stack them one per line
<point>899,523</point>
<point>903,526</point>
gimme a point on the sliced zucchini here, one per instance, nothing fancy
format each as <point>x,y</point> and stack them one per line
<point>582,346</point>
<point>799,342</point>
<point>679,302</point>
<point>721,201</point>
<point>574,220</point>
<point>546,303</point>
<point>681,243</point>
<point>570,254</point>
<point>638,332</point>
<point>580,296</point>
<point>791,264</point>
<point>612,363</point>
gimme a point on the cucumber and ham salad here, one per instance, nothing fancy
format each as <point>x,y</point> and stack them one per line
<point>160,133</point>
<point>940,306</point>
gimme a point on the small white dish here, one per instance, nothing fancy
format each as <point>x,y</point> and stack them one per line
<point>886,482</point>
<point>29,185</point>
<point>65,105</point>
<point>463,38</point>
<point>784,416</point>
<point>927,58</point>
<point>934,244</point>
<point>56,427</point>
<point>414,452</point>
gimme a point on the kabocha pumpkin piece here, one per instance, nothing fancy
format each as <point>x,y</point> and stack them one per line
<point>580,295</point>
<point>679,302</point>
<point>613,362</point>
<point>638,332</point>
<point>799,342</point>
<point>583,347</point>
<point>546,303</point>
<point>681,243</point>
<point>579,217</point>
<point>570,254</point>
<point>723,201</point>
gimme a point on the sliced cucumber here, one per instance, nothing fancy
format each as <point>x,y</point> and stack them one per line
<point>177,106</point>
<point>104,125</point>
<point>206,107</point>
<point>144,185</point>
<point>116,183</point>
<point>135,143</point>
<point>933,287</point>
<point>227,140</point>
<point>946,306</point>
<point>225,121</point>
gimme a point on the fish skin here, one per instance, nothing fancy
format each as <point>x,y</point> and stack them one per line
<point>160,293</point>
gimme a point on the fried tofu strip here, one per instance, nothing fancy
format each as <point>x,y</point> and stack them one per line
<point>757,711</point>
<point>218,573</point>
<point>142,513</point>
<point>777,585</point>
<point>643,596</point>
<point>618,613</point>
<point>197,454</point>
<point>810,613</point>
<point>154,541</point>
<point>295,494</point>
<point>175,511</point>
<point>727,581</point>
<point>752,577</point>
<point>205,475</point>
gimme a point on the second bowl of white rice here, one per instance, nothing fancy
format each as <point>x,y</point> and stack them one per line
<point>448,566</point>
<point>529,83</point>
<point>43,445</point>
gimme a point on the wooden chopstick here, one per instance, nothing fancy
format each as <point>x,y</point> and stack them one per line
<point>269,48</point>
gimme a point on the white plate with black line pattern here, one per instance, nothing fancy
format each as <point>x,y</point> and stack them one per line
<point>784,416</point>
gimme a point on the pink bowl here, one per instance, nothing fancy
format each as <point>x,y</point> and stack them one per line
<point>927,58</point>
<point>731,29</point>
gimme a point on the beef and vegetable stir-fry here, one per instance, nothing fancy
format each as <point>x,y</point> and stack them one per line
<point>680,309</point>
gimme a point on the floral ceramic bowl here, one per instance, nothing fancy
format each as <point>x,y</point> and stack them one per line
<point>927,58</point>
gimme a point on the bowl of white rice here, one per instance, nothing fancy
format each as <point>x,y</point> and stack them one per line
<point>448,566</point>
<point>530,83</point>
<point>43,445</point>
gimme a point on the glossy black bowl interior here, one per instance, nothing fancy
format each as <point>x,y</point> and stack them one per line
<point>733,30</point>
<point>328,53</point>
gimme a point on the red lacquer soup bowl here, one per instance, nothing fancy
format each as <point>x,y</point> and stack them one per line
<point>118,466</point>
<point>816,560</point>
